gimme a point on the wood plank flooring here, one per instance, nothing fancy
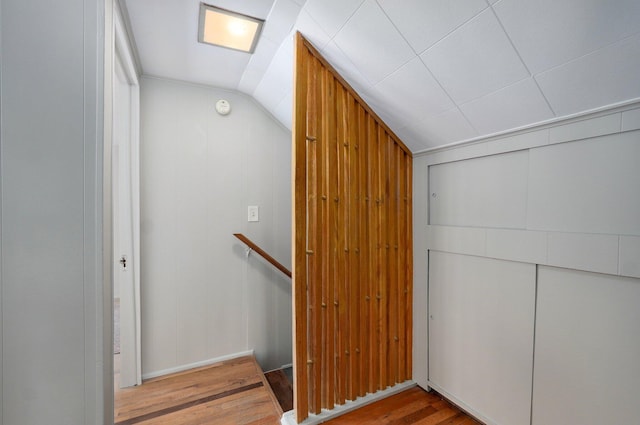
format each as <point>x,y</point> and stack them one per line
<point>282,388</point>
<point>413,406</point>
<point>235,392</point>
<point>232,392</point>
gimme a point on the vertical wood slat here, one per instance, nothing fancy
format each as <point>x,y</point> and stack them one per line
<point>327,358</point>
<point>363,239</point>
<point>314,283</point>
<point>329,122</point>
<point>352,243</point>
<point>383,258</point>
<point>299,234</point>
<point>354,251</point>
<point>374,265</point>
<point>392,252</point>
<point>340,251</point>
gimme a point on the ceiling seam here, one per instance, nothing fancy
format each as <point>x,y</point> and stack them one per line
<point>515,49</point>
<point>452,31</point>
<point>417,55</point>
<point>345,22</point>
<point>577,58</point>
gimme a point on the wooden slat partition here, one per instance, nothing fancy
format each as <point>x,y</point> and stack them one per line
<point>352,268</point>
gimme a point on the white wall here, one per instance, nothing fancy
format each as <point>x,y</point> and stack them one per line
<point>564,198</point>
<point>51,158</point>
<point>201,298</point>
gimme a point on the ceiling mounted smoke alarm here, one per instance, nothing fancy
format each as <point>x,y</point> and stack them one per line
<point>223,107</point>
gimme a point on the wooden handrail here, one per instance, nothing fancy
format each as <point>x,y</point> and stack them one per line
<point>260,251</point>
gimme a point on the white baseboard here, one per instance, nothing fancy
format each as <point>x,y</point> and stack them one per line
<point>284,366</point>
<point>207,362</point>
<point>289,418</point>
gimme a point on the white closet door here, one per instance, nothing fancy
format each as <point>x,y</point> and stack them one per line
<point>481,324</point>
<point>587,362</point>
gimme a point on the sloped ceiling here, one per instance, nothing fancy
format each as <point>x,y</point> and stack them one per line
<point>437,71</point>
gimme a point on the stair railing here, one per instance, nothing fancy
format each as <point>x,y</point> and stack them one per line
<point>252,246</point>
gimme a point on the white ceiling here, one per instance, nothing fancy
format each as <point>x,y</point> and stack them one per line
<point>437,71</point>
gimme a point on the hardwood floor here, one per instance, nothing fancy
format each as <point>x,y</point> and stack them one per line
<point>413,406</point>
<point>233,392</point>
<point>282,388</point>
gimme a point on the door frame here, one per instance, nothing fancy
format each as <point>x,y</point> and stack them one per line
<point>123,51</point>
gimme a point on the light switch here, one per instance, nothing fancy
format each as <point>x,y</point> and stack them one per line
<point>253,213</point>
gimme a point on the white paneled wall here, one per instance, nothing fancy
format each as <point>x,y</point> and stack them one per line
<point>51,144</point>
<point>202,298</point>
<point>564,195</point>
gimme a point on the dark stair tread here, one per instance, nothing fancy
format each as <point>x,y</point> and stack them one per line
<point>282,388</point>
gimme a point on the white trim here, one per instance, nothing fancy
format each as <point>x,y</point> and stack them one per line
<point>124,52</point>
<point>284,366</point>
<point>289,418</point>
<point>123,48</point>
<point>592,113</point>
<point>207,362</point>
<point>105,299</point>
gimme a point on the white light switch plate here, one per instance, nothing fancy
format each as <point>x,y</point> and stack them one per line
<point>253,213</point>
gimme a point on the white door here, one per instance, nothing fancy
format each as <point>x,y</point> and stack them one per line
<point>126,240</point>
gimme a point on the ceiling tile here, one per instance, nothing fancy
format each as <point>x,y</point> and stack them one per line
<point>281,20</point>
<point>475,60</point>
<point>424,22</point>
<point>508,108</point>
<point>256,8</point>
<point>257,65</point>
<point>608,76</point>
<point>448,127</point>
<point>548,33</point>
<point>284,110</point>
<point>311,30</point>
<point>338,60</point>
<point>411,140</point>
<point>372,43</point>
<point>331,15</point>
<point>379,106</point>
<point>278,77</point>
<point>412,91</point>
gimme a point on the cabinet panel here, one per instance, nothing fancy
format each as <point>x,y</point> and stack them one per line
<point>482,192</point>
<point>481,321</point>
<point>587,349</point>
<point>589,186</point>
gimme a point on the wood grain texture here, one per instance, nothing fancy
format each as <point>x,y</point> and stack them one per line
<point>201,396</point>
<point>413,406</point>
<point>299,235</point>
<point>282,388</point>
<point>352,244</point>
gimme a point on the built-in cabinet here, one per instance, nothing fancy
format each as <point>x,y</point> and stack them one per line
<point>533,281</point>
<point>580,368</point>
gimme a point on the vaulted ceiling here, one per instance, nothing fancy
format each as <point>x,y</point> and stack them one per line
<point>436,71</point>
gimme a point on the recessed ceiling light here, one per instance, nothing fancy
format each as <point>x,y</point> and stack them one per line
<point>228,29</point>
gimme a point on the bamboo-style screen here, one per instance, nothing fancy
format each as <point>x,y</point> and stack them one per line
<point>353,269</point>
